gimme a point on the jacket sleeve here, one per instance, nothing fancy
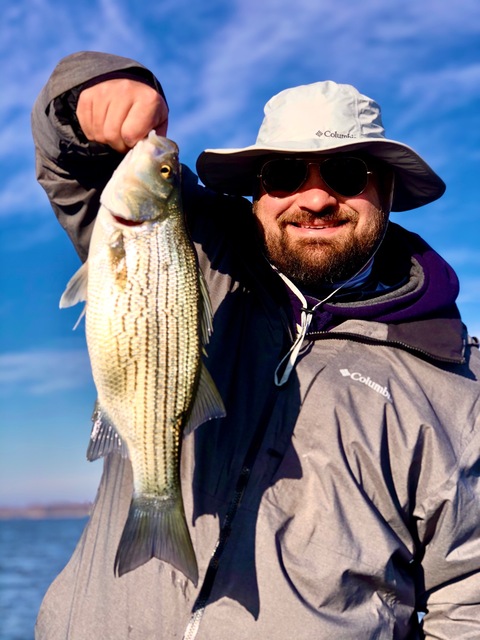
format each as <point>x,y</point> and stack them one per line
<point>450,534</point>
<point>72,170</point>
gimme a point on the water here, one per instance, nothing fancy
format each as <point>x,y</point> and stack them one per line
<point>32,553</point>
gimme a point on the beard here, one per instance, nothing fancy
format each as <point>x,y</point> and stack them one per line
<point>316,264</point>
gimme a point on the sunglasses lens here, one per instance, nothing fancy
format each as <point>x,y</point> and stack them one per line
<point>284,176</point>
<point>346,176</point>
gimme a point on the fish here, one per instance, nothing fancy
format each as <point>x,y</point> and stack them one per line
<point>148,318</point>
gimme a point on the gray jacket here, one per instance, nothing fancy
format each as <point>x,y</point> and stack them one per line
<point>338,505</point>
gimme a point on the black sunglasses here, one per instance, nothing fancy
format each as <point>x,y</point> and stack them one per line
<point>346,175</point>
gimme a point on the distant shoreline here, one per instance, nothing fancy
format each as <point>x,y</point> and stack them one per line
<point>45,512</point>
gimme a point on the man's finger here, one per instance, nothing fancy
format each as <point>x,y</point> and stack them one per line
<point>142,118</point>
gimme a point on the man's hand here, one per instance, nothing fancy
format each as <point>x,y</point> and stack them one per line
<point>121,112</point>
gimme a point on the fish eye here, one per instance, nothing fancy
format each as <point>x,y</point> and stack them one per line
<point>166,170</point>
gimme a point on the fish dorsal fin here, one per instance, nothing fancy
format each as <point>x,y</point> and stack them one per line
<point>207,405</point>
<point>76,290</point>
<point>104,438</point>
<point>206,322</point>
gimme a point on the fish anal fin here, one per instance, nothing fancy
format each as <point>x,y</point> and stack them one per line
<point>156,528</point>
<point>207,404</point>
<point>104,438</point>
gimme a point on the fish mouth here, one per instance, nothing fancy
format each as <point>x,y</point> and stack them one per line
<point>127,222</point>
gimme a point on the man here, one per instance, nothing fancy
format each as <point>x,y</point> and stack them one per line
<point>339,497</point>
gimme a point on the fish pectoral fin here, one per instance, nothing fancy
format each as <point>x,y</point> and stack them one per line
<point>76,290</point>
<point>207,405</point>
<point>156,530</point>
<point>104,438</point>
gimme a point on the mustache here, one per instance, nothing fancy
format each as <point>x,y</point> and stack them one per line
<point>306,217</point>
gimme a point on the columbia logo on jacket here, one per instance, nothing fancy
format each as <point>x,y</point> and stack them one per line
<point>366,380</point>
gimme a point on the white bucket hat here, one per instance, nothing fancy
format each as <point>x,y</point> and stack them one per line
<point>324,117</point>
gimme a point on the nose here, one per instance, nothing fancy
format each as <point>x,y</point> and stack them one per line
<point>314,194</point>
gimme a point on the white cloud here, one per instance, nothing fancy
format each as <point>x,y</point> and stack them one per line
<point>37,33</point>
<point>44,371</point>
<point>21,193</point>
<point>441,92</point>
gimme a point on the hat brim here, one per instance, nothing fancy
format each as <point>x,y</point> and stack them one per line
<point>234,171</point>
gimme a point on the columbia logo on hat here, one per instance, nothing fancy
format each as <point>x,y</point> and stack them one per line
<point>333,134</point>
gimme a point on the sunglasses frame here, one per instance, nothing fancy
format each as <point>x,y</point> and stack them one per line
<point>307,163</point>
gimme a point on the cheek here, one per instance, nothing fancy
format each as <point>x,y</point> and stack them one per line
<point>368,201</point>
<point>258,216</point>
<point>371,224</point>
<point>369,210</point>
<point>373,194</point>
<point>267,210</point>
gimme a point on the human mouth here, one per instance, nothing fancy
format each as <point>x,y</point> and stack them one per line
<point>317,225</point>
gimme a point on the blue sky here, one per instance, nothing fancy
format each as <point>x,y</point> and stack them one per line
<point>219,62</point>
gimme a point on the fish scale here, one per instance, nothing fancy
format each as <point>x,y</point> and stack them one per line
<point>147,319</point>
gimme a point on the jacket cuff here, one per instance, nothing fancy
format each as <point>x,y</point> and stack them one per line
<point>86,66</point>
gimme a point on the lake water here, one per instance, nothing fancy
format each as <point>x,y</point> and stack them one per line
<point>32,553</point>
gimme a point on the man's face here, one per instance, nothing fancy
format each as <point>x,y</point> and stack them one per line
<point>317,237</point>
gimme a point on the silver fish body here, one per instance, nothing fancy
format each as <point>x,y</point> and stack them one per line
<point>147,319</point>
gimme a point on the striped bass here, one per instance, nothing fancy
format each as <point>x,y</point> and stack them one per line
<point>148,316</point>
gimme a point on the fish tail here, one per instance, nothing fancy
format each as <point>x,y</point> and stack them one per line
<point>155,529</point>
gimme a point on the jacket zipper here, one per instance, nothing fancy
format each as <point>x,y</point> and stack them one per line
<point>356,337</point>
<point>203,597</point>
